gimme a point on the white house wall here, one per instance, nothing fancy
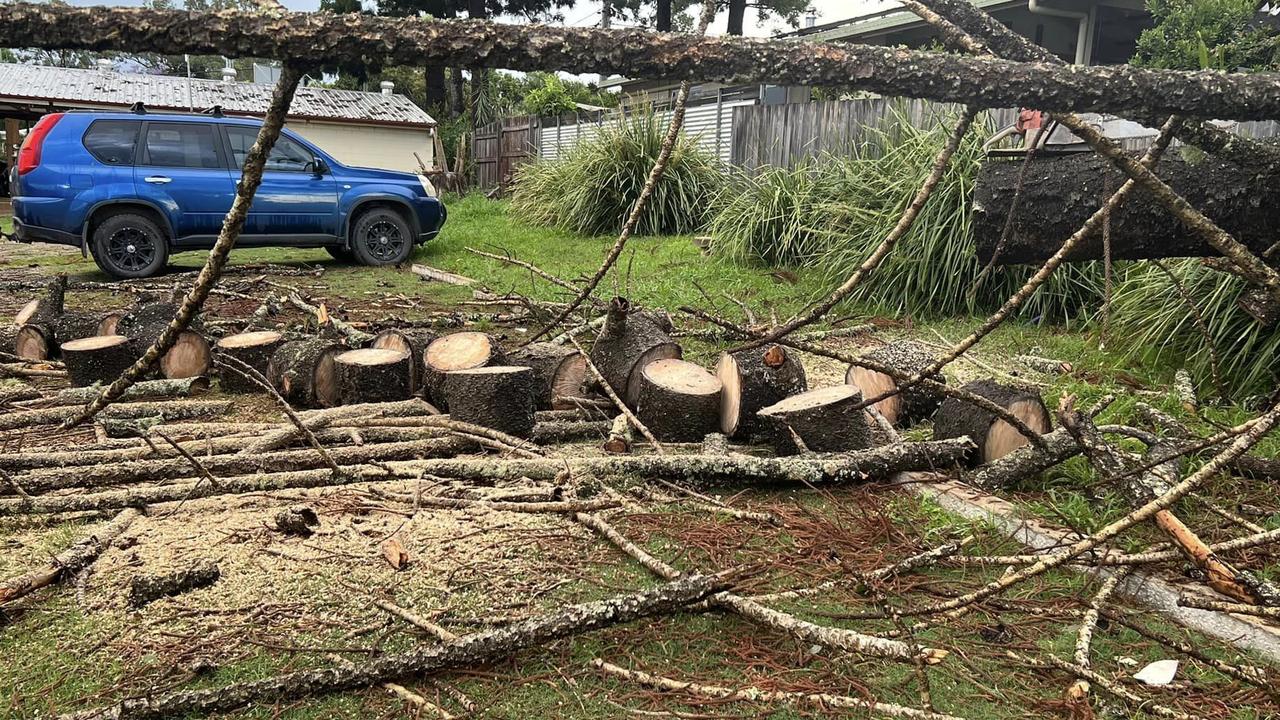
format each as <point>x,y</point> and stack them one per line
<point>385,147</point>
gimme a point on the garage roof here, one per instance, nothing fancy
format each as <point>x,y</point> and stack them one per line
<point>55,85</point>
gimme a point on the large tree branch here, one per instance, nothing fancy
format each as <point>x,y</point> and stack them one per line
<point>354,38</point>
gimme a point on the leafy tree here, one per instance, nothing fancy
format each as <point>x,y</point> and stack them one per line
<point>550,99</point>
<point>1208,35</point>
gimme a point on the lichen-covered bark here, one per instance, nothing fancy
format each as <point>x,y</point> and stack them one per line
<point>1061,193</point>
<point>353,38</point>
<point>470,650</point>
<point>70,561</point>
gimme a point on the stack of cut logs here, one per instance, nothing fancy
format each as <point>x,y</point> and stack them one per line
<point>756,394</point>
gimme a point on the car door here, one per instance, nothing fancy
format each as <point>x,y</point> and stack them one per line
<point>182,169</point>
<point>294,201</point>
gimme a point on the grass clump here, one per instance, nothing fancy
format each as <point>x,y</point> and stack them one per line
<point>831,212</point>
<point>592,188</point>
<point>1155,323</point>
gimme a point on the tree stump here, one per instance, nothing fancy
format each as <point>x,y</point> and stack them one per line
<point>97,359</point>
<point>499,397</point>
<point>413,341</point>
<point>47,307</point>
<point>912,405</point>
<point>190,355</point>
<point>459,351</point>
<point>35,341</point>
<point>824,420</point>
<point>628,342</point>
<point>559,371</point>
<point>995,438</point>
<point>303,372</point>
<point>755,379</point>
<point>678,401</point>
<point>253,349</point>
<point>76,325</point>
<point>373,375</point>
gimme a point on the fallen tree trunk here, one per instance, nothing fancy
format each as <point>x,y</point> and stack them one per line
<point>877,463</point>
<point>146,589</point>
<point>190,355</point>
<point>76,325</point>
<point>69,561</point>
<point>1061,192</point>
<point>558,371</point>
<point>48,306</point>
<point>411,340</point>
<point>459,351</point>
<point>35,341</point>
<point>181,387</point>
<point>628,342</point>
<point>123,411</point>
<point>469,650</point>
<point>302,371</point>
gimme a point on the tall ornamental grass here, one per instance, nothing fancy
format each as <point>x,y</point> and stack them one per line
<point>592,188</point>
<point>1153,321</point>
<point>829,214</point>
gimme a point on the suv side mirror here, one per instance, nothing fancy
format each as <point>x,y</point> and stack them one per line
<point>319,167</point>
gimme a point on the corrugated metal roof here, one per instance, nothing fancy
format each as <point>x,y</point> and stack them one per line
<point>110,87</point>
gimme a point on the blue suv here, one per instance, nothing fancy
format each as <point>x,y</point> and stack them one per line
<point>133,187</point>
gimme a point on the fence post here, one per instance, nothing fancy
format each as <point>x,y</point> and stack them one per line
<point>719,120</point>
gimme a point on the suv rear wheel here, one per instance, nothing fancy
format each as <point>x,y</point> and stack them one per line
<point>129,245</point>
<point>381,236</point>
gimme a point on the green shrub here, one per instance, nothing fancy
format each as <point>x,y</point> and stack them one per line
<point>1153,321</point>
<point>830,213</point>
<point>592,188</point>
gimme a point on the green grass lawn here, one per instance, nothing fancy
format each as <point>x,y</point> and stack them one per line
<point>69,654</point>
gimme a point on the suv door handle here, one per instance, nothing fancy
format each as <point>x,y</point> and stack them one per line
<point>158,179</point>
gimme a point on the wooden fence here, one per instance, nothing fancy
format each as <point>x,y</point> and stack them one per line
<point>500,147</point>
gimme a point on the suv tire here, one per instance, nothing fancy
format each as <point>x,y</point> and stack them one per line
<point>129,245</point>
<point>381,236</point>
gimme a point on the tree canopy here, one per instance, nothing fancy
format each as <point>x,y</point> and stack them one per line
<point>1208,35</point>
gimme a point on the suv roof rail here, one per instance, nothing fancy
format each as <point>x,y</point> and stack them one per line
<point>138,108</point>
<point>215,111</point>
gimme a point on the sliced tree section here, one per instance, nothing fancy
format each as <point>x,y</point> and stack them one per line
<point>35,341</point>
<point>753,380</point>
<point>559,371</point>
<point>303,372</point>
<point>459,351</point>
<point>372,375</point>
<point>910,406</point>
<point>413,341</point>
<point>253,349</point>
<point>109,323</point>
<point>823,420</point>
<point>1061,192</point>
<point>190,355</point>
<point>628,342</point>
<point>499,397</point>
<point>679,401</point>
<point>97,359</point>
<point>995,438</point>
<point>76,325</point>
<point>47,307</point>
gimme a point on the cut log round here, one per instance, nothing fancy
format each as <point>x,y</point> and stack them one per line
<point>628,342</point>
<point>459,351</point>
<point>372,375</point>
<point>253,349</point>
<point>755,379</point>
<point>302,371</point>
<point>190,355</point>
<point>34,341</point>
<point>109,324</point>
<point>912,405</point>
<point>499,397</point>
<point>678,401</point>
<point>824,419</point>
<point>75,325</point>
<point>559,371</point>
<point>413,341</point>
<point>47,307</point>
<point>995,438</point>
<point>97,359</point>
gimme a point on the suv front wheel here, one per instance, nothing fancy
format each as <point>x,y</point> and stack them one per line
<point>381,236</point>
<point>130,245</point>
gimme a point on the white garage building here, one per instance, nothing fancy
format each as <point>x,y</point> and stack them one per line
<point>382,130</point>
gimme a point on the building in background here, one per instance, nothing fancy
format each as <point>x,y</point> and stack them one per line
<point>380,130</point>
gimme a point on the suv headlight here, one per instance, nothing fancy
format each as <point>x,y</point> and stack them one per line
<point>427,187</point>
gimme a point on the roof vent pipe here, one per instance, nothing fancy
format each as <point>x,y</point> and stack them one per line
<point>387,86</point>
<point>105,65</point>
<point>228,76</point>
<point>810,17</point>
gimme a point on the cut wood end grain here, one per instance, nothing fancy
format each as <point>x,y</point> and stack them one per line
<point>249,339</point>
<point>459,351</point>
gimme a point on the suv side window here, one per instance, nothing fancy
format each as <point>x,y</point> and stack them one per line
<point>112,142</point>
<point>286,156</point>
<point>186,145</point>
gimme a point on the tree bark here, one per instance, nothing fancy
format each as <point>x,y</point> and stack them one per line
<point>146,589</point>
<point>826,419</point>
<point>498,397</point>
<point>662,21</point>
<point>125,411</point>
<point>326,38</point>
<point>994,437</point>
<point>254,349</point>
<point>411,340</point>
<point>371,375</point>
<point>754,379</point>
<point>917,402</point>
<point>558,371</point>
<point>678,401</point>
<point>69,561</point>
<point>469,650</point>
<point>95,360</point>
<point>302,371</point>
<point>1062,192</point>
<point>457,351</point>
<point>629,341</point>
<point>737,17</point>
